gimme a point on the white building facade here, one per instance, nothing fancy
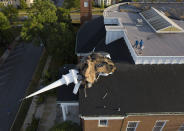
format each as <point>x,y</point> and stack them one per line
<point>118,31</point>
<point>15,3</point>
<point>104,2</point>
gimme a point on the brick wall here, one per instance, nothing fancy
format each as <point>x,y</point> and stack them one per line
<point>85,12</point>
<point>146,123</point>
<point>92,125</point>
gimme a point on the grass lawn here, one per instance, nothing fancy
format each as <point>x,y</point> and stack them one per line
<point>97,12</point>
<point>98,8</point>
<point>75,21</point>
<point>74,9</point>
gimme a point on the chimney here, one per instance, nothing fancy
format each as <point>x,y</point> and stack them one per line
<point>85,10</point>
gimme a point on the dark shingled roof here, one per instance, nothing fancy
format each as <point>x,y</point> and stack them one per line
<point>135,89</point>
<point>65,93</point>
<point>90,35</point>
<point>131,88</point>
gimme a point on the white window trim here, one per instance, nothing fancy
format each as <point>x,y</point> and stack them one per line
<point>103,125</point>
<point>165,121</point>
<point>136,124</point>
<point>86,4</point>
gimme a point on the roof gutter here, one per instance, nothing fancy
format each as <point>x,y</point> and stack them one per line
<point>102,118</point>
<point>119,117</point>
<point>153,113</point>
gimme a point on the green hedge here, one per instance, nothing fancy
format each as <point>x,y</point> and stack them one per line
<point>34,125</point>
<point>66,126</point>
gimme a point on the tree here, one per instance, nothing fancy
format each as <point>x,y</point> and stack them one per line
<point>1,6</point>
<point>64,42</point>
<point>102,3</point>
<point>10,12</point>
<point>41,23</point>
<point>5,34</point>
<point>52,27</point>
<point>34,124</point>
<point>68,4</point>
<point>23,4</point>
<point>63,15</point>
<point>4,23</point>
<point>66,126</point>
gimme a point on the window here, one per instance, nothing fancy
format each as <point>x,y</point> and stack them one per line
<point>103,123</point>
<point>181,127</point>
<point>132,125</point>
<point>85,4</point>
<point>159,125</point>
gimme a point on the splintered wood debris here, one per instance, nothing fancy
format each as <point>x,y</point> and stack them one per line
<point>93,66</point>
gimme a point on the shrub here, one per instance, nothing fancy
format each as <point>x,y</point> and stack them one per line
<point>66,126</point>
<point>34,125</point>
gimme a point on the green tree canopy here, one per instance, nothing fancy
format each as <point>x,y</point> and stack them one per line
<point>10,12</point>
<point>4,23</point>
<point>66,126</point>
<point>41,21</point>
<point>63,15</point>
<point>23,4</point>
<point>1,5</point>
<point>63,42</point>
<point>51,26</point>
<point>68,4</point>
<point>102,4</point>
<point>5,34</point>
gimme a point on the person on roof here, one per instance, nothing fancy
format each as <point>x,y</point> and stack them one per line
<point>141,44</point>
<point>136,43</point>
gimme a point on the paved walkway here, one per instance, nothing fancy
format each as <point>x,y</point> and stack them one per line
<point>49,115</point>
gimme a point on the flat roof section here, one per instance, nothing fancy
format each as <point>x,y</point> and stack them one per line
<point>154,44</point>
<point>160,22</point>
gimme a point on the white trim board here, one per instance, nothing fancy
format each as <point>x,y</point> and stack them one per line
<point>103,125</point>
<point>155,126</point>
<point>69,104</point>
<point>101,117</point>
<point>155,114</point>
<point>137,123</point>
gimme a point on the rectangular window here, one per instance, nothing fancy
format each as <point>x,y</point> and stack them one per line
<point>159,125</point>
<point>103,123</point>
<point>181,127</point>
<point>132,125</point>
<point>85,4</point>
